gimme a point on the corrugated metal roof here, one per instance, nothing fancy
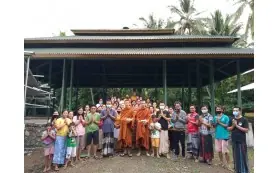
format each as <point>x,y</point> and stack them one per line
<point>158,37</point>
<point>142,51</point>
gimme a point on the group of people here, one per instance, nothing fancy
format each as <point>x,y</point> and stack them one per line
<point>120,125</point>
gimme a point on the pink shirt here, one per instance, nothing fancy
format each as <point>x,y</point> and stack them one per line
<point>79,127</point>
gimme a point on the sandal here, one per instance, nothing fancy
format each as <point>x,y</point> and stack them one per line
<point>96,157</point>
<point>122,154</point>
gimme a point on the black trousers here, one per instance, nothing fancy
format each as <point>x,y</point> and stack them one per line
<point>178,136</point>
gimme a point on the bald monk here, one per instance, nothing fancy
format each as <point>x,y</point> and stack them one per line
<point>125,134</point>
<point>143,119</point>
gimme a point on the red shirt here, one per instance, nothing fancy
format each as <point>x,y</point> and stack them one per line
<point>192,128</point>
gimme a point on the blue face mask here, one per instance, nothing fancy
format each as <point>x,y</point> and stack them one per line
<point>235,114</point>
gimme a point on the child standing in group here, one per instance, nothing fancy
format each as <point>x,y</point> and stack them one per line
<point>155,128</point>
<point>48,138</point>
<point>71,145</point>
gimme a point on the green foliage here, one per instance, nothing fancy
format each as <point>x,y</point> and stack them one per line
<point>189,23</point>
<point>220,25</point>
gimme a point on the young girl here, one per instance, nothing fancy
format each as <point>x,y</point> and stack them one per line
<point>48,139</point>
<point>71,145</point>
<point>155,128</point>
<point>80,129</point>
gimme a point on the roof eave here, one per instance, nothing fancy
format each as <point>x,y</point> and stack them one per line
<point>121,31</point>
<point>141,56</point>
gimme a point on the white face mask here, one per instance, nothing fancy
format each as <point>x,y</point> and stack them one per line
<point>204,111</point>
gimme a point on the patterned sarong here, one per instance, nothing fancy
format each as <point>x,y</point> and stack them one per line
<point>59,150</point>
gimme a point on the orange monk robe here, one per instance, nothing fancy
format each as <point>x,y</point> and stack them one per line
<point>117,121</point>
<point>142,130</point>
<point>125,133</point>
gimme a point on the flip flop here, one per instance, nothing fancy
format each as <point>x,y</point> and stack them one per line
<point>122,154</point>
<point>96,157</point>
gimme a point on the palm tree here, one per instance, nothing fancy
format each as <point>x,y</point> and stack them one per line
<point>242,5</point>
<point>224,26</point>
<point>153,23</point>
<point>189,22</point>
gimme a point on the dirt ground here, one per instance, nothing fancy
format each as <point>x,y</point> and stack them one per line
<point>34,164</point>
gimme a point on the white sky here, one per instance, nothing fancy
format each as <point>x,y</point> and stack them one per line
<point>48,17</point>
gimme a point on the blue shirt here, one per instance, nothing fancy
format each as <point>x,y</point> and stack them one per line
<point>108,123</point>
<point>220,131</point>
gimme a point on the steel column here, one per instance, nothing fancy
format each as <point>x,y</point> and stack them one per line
<point>26,80</point>
<point>165,80</point>
<point>239,100</point>
<point>183,97</point>
<point>189,87</point>
<point>63,86</point>
<point>198,81</point>
<point>212,92</point>
<point>77,98</point>
<point>71,84</point>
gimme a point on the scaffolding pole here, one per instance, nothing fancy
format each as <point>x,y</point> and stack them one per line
<point>49,83</point>
<point>26,80</point>
<point>165,80</point>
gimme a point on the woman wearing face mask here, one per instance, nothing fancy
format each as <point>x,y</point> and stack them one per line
<point>193,134</point>
<point>164,119</point>
<point>206,142</point>
<point>221,122</point>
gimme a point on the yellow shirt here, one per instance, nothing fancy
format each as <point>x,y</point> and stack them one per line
<point>64,130</point>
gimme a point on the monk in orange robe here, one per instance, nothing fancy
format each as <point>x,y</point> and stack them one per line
<point>126,126</point>
<point>143,119</point>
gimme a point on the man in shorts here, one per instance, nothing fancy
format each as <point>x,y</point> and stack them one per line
<point>92,121</point>
<point>221,122</point>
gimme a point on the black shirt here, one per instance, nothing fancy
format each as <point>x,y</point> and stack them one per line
<point>164,123</point>
<point>237,135</point>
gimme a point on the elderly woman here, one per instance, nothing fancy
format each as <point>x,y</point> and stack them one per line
<point>108,116</point>
<point>61,125</point>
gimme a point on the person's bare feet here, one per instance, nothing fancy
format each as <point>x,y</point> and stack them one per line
<point>168,156</point>
<point>71,164</point>
<point>65,166</point>
<point>56,168</point>
<point>152,155</point>
<point>45,170</point>
<point>48,169</point>
<point>158,156</point>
